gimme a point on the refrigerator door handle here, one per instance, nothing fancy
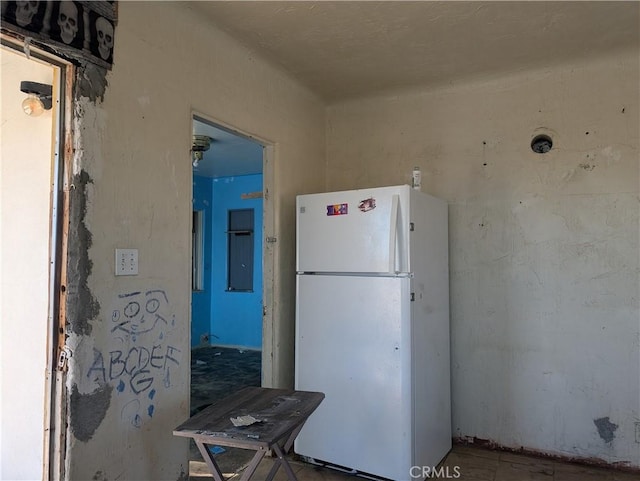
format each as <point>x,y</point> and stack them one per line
<point>393,232</point>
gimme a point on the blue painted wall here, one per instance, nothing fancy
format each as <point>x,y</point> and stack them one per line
<point>231,318</point>
<point>201,300</point>
<point>236,317</point>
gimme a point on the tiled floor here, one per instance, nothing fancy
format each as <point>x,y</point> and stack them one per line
<point>217,372</point>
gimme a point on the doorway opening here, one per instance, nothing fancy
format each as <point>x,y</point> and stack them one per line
<point>31,233</point>
<point>232,271</point>
<point>227,262</point>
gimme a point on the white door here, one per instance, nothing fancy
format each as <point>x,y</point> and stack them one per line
<point>353,343</point>
<point>358,231</point>
<point>28,193</point>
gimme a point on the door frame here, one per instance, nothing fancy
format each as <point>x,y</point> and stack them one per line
<point>268,242</point>
<point>54,437</point>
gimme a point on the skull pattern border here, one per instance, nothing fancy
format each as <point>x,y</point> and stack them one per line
<point>80,30</point>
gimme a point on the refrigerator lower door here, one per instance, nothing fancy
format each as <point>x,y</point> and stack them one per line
<point>353,343</point>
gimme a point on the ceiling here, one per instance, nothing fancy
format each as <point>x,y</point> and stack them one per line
<point>229,154</point>
<point>348,49</point>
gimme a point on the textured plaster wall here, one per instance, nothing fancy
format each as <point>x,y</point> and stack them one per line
<point>130,336</point>
<point>543,248</point>
<point>25,188</point>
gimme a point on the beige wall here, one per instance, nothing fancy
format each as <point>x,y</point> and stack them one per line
<point>25,189</point>
<point>543,248</point>
<point>132,150</point>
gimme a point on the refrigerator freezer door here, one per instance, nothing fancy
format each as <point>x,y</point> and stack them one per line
<point>358,231</point>
<point>353,343</point>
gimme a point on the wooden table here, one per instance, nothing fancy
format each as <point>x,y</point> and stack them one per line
<point>281,413</point>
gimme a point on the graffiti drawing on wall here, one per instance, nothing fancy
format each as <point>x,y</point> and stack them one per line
<point>142,357</point>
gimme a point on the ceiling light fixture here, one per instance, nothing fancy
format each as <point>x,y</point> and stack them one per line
<point>39,97</point>
<point>200,145</point>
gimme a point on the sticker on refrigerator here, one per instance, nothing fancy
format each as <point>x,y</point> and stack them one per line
<point>367,204</point>
<point>337,209</point>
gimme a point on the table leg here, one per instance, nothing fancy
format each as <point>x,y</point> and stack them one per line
<point>252,466</point>
<point>215,470</point>
<point>292,438</point>
<point>211,462</point>
<point>280,461</point>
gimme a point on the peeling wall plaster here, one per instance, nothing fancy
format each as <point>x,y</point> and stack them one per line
<point>82,307</point>
<point>91,82</point>
<point>87,411</point>
<point>606,429</point>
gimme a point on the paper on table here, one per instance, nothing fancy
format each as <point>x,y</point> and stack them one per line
<point>246,420</point>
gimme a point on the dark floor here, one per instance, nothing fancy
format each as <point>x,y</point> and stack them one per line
<point>218,372</point>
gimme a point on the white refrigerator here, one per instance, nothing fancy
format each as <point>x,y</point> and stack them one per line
<point>372,329</point>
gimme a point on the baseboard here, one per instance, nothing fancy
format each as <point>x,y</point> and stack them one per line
<point>239,348</point>
<point>494,446</point>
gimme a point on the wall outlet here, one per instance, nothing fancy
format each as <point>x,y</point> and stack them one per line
<point>204,338</point>
<point>126,262</point>
<point>638,432</point>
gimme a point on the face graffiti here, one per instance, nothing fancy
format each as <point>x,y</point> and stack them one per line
<point>140,356</point>
<point>142,314</point>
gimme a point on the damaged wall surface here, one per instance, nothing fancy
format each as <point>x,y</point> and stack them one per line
<point>128,381</point>
<point>543,247</point>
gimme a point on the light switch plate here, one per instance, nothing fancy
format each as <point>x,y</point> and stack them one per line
<point>126,262</point>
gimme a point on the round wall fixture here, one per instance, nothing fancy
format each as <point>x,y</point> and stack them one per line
<point>541,144</point>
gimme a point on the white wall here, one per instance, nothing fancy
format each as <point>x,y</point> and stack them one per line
<point>134,150</point>
<point>25,187</point>
<point>543,248</point>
